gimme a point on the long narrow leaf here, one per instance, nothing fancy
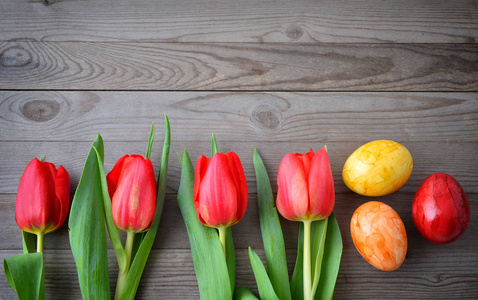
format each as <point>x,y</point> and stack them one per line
<point>138,239</point>
<point>230,250</point>
<point>213,145</point>
<point>110,225</point>
<point>271,232</point>
<point>230,258</point>
<point>331,260</point>
<point>26,276</point>
<point>264,285</point>
<point>211,272</point>
<point>28,240</point>
<point>87,230</point>
<point>243,293</point>
<point>141,257</point>
<point>150,141</point>
<point>318,251</point>
<point>297,281</point>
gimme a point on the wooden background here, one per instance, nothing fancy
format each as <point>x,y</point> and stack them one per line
<point>281,76</point>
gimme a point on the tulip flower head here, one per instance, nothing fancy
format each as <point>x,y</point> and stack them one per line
<point>305,186</point>
<point>43,198</point>
<point>220,190</point>
<point>306,193</point>
<point>132,189</point>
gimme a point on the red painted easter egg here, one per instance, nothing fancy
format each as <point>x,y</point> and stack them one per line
<point>440,209</point>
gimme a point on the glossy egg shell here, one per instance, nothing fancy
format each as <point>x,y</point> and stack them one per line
<point>378,168</point>
<point>379,235</point>
<point>440,209</point>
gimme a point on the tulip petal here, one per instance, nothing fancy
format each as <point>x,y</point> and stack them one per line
<point>239,177</point>
<point>199,171</point>
<point>62,189</point>
<point>51,168</point>
<point>54,206</point>
<point>292,195</point>
<point>306,159</point>
<point>34,196</point>
<point>113,176</point>
<point>321,186</point>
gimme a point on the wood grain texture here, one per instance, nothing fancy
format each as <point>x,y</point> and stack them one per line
<point>237,66</point>
<point>282,76</point>
<point>253,117</point>
<point>429,271</point>
<point>300,21</point>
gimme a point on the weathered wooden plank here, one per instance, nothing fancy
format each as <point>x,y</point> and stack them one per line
<point>458,159</point>
<point>266,67</point>
<point>252,117</point>
<point>170,274</point>
<point>301,21</point>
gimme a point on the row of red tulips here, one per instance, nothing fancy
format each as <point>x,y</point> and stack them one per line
<point>306,192</point>
<point>220,195</point>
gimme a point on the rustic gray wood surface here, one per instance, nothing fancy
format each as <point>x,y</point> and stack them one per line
<point>280,76</point>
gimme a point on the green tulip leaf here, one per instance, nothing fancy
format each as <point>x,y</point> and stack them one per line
<point>141,257</point>
<point>87,229</point>
<point>138,239</point>
<point>243,293</point>
<point>297,280</point>
<point>271,232</point>
<point>208,257</point>
<point>213,145</point>
<point>318,251</point>
<point>26,276</point>
<point>331,261</point>
<point>264,285</point>
<point>28,242</point>
<point>230,251</point>
<point>150,141</point>
<point>108,215</point>
<point>230,258</point>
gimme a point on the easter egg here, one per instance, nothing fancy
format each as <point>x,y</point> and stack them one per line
<point>378,168</point>
<point>379,235</point>
<point>440,209</point>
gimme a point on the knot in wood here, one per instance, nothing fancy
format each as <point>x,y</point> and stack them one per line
<point>40,110</point>
<point>15,56</point>
<point>294,32</point>
<point>266,117</point>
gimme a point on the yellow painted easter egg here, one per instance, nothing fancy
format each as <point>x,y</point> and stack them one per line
<point>379,235</point>
<point>378,168</point>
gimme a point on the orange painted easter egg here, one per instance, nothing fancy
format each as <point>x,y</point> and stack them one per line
<point>379,235</point>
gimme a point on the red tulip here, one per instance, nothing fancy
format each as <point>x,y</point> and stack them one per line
<point>306,187</point>
<point>220,190</point>
<point>43,198</point>
<point>132,189</point>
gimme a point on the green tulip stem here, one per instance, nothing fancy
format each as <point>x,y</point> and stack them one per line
<point>222,238</point>
<point>306,265</point>
<point>124,273</point>
<point>40,241</point>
